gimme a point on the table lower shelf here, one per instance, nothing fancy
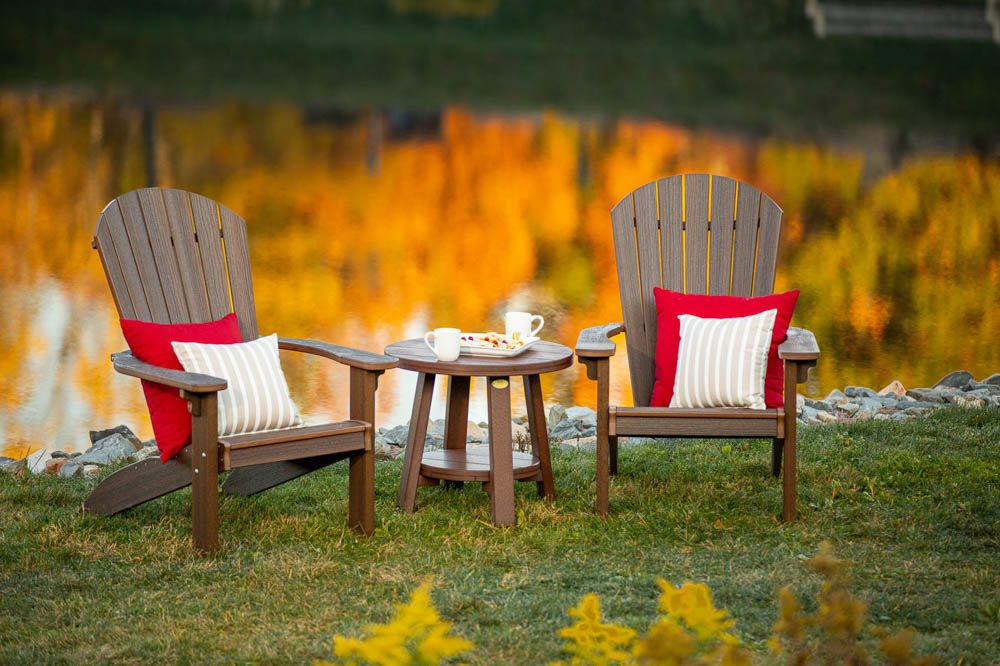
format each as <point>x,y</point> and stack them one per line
<point>473,464</point>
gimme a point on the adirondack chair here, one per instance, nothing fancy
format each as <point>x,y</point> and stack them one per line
<point>664,237</point>
<point>162,252</point>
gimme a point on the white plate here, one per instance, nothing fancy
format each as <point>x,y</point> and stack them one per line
<point>470,350</point>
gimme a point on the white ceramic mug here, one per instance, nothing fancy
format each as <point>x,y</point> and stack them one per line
<point>521,323</point>
<point>446,343</point>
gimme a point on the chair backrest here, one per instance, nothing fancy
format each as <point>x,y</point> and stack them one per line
<point>692,233</point>
<point>176,257</point>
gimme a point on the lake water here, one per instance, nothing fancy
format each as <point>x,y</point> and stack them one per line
<point>367,228</point>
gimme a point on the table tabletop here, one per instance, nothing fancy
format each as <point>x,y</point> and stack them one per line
<point>543,356</point>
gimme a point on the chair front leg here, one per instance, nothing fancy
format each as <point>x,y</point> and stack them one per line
<point>361,491</point>
<point>204,470</point>
<point>795,373</point>
<point>599,369</point>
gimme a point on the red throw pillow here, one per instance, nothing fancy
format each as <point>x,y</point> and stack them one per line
<point>670,304</point>
<point>151,343</point>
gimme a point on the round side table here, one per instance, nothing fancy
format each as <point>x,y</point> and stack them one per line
<point>501,466</point>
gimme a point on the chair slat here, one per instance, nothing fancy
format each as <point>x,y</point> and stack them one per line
<point>767,247</point>
<point>721,238</point>
<point>158,231</point>
<point>182,232</point>
<point>696,188</point>
<point>745,239</point>
<point>234,236</point>
<point>123,249</point>
<point>135,226</point>
<point>647,235</point>
<point>640,362</point>
<point>671,191</point>
<point>213,263</point>
<point>113,269</point>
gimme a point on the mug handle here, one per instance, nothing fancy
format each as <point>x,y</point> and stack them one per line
<point>541,322</point>
<point>427,342</point>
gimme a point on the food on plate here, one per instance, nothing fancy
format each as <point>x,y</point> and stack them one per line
<point>492,340</point>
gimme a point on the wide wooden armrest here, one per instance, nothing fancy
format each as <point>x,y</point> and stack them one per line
<point>800,345</point>
<point>355,358</point>
<point>192,382</point>
<point>595,342</point>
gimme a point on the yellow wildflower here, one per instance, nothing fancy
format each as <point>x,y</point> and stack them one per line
<point>415,624</point>
<point>595,642</point>
<point>692,603</point>
<point>666,644</point>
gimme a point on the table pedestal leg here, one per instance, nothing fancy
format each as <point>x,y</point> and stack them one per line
<point>501,452</point>
<point>539,435</point>
<point>456,418</point>
<point>407,497</point>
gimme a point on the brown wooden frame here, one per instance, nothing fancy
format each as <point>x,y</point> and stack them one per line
<point>176,257</point>
<point>667,234</point>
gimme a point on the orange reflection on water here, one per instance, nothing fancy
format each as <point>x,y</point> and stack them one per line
<point>364,232</point>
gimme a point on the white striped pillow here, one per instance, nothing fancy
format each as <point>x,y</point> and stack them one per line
<point>257,396</point>
<point>723,362</point>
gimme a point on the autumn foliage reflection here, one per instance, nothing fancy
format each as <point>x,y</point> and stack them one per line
<point>363,234</point>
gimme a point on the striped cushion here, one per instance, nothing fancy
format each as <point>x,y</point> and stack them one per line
<point>257,396</point>
<point>722,362</point>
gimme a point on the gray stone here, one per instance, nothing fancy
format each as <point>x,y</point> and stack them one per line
<point>917,411</point>
<point>123,430</point>
<point>826,417</point>
<point>820,405</point>
<point>483,424</point>
<point>849,407</point>
<point>70,469</point>
<point>61,454</point>
<point>108,449</point>
<point>432,442</point>
<point>584,415</point>
<point>12,465</point>
<point>834,396</point>
<point>993,379</point>
<point>860,392</point>
<point>436,428</point>
<point>903,416</point>
<point>396,436</point>
<point>147,452</point>
<point>921,404</point>
<point>809,413</point>
<point>870,404</point>
<point>566,429</point>
<point>91,470</point>
<point>556,415</point>
<point>115,441</point>
<point>589,431</point>
<point>983,387</point>
<point>955,379</point>
<point>926,395</point>
<point>518,420</point>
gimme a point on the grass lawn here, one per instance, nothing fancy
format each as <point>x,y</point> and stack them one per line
<point>915,506</point>
<point>751,66</point>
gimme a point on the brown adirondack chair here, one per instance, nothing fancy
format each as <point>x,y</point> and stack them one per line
<point>162,251</point>
<point>664,237</point>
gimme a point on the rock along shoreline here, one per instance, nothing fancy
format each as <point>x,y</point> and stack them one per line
<point>568,427</point>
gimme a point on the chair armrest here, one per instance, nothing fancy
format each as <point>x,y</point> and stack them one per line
<point>355,358</point>
<point>192,382</point>
<point>800,345</point>
<point>595,342</point>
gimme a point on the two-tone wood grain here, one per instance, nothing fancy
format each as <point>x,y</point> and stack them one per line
<point>715,236</point>
<point>175,257</point>
<point>499,466</point>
